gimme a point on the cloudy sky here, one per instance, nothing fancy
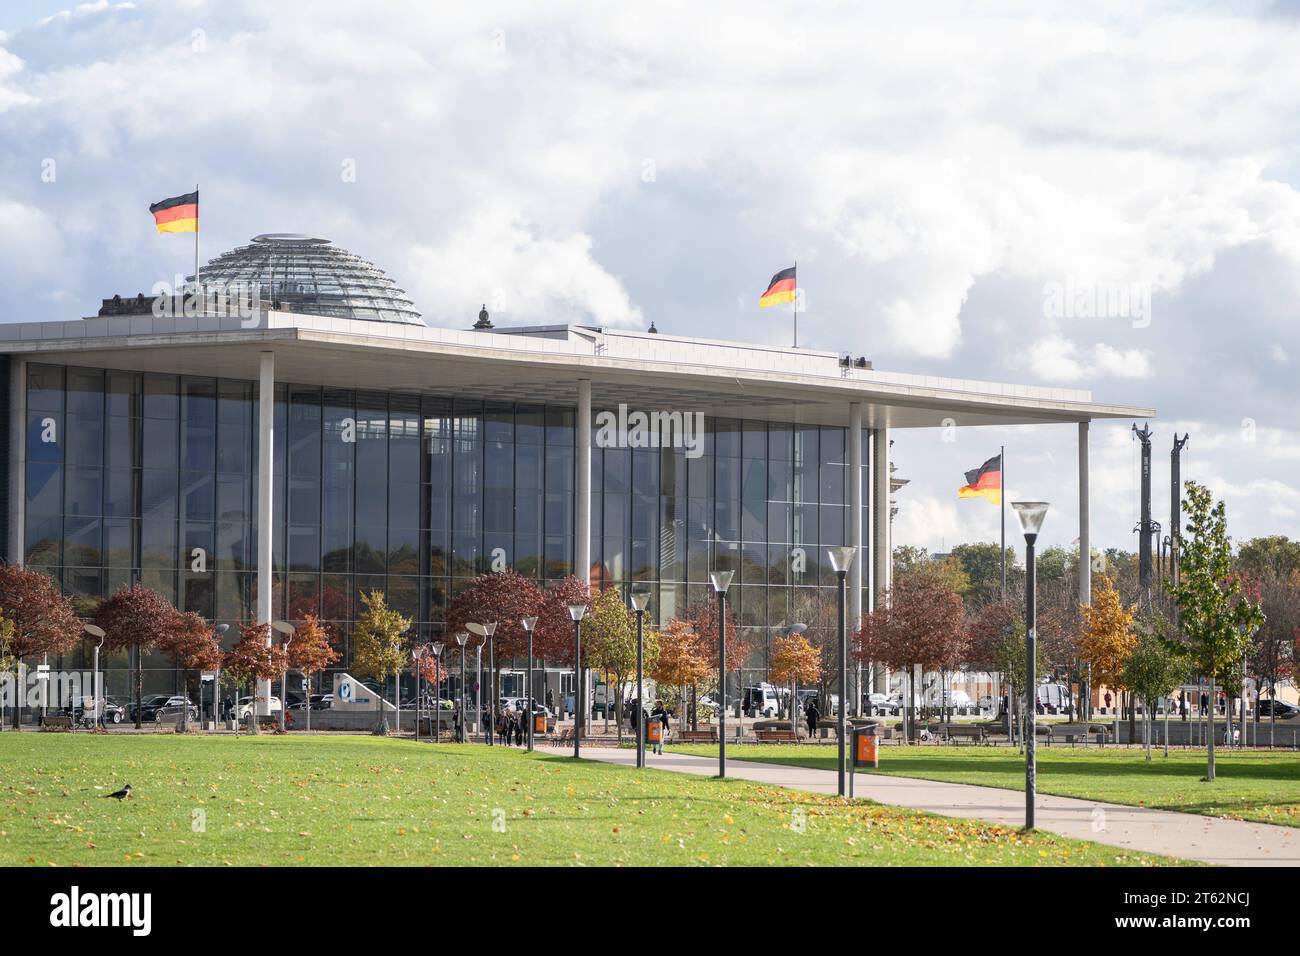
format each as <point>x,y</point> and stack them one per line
<point>1026,194</point>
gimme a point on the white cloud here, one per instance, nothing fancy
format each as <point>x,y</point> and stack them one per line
<point>1058,359</point>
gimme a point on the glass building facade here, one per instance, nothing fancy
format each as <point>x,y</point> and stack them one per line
<point>151,477</point>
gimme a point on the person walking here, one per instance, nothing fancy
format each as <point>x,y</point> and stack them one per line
<point>812,715</point>
<point>1182,704</point>
<point>1106,698</point>
<point>660,714</point>
<point>458,730</point>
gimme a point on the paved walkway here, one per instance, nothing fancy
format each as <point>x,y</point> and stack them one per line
<point>1186,835</point>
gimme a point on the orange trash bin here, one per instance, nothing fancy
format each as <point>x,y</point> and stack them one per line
<point>539,723</point>
<point>654,731</point>
<point>868,750</point>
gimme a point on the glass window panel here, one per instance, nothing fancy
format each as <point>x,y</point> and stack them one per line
<point>198,499</point>
<point>83,541</point>
<point>530,424</point>
<point>83,492</point>
<point>234,545</point>
<point>304,500</point>
<point>85,586</point>
<point>232,499</point>
<point>304,548</point>
<point>559,425</point>
<point>726,437</point>
<point>370,551</point>
<point>158,494</point>
<point>161,397</point>
<point>45,387</point>
<point>234,596</point>
<point>44,488</point>
<point>85,440</point>
<point>122,448</point>
<point>161,580</point>
<point>158,544</point>
<point>336,549</point>
<point>498,422</point>
<point>159,443</point>
<point>304,596</point>
<point>235,450</point>
<point>559,556</point>
<point>754,440</point>
<point>119,542</point>
<point>43,540</point>
<point>45,436</point>
<point>198,593</point>
<point>198,423</point>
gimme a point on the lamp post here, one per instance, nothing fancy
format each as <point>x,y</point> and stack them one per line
<point>640,601</point>
<point>461,638</point>
<point>721,580</point>
<point>484,632</point>
<point>841,559</point>
<point>576,613</point>
<point>478,682</point>
<point>793,631</point>
<point>94,630</point>
<point>529,623</point>
<point>437,648</point>
<point>417,654</point>
<point>1031,515</point>
<point>286,631</point>
<point>216,684</point>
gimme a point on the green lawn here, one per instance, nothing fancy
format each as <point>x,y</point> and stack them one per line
<point>1249,785</point>
<point>366,801</point>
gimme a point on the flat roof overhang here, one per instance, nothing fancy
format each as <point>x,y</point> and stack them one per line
<point>346,354</point>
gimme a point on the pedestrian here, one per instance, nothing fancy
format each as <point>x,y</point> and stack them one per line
<point>812,715</point>
<point>660,714</point>
<point>550,700</point>
<point>1205,704</point>
<point>456,725</point>
<point>227,707</point>
<point>1182,704</point>
<point>1107,699</point>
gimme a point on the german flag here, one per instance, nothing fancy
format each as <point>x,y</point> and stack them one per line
<point>984,481</point>
<point>781,289</point>
<point>178,214</point>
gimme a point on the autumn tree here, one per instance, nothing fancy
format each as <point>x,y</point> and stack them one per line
<point>921,625</point>
<point>680,662</point>
<point>795,661</point>
<point>553,638</point>
<point>609,636</point>
<point>137,619</point>
<point>1217,619</point>
<point>1272,652</point>
<point>42,618</point>
<point>506,597</point>
<point>1152,670</point>
<point>251,660</point>
<point>310,652</point>
<point>378,646</point>
<point>193,646</point>
<point>1106,635</point>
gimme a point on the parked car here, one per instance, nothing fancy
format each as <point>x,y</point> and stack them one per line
<point>879,704</point>
<point>160,707</point>
<point>246,704</point>
<point>318,702</point>
<point>949,698</point>
<point>1283,710</point>
<point>762,700</point>
<point>988,702</point>
<point>520,703</point>
<point>114,712</point>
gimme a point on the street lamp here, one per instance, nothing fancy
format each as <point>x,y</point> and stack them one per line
<point>436,647</point>
<point>841,559</point>
<point>486,631</point>
<point>461,638</point>
<point>529,623</point>
<point>793,631</point>
<point>576,613</point>
<point>417,654</point>
<point>94,630</point>
<point>216,683</point>
<point>640,601</point>
<point>721,580</point>
<point>286,630</point>
<point>1030,515</point>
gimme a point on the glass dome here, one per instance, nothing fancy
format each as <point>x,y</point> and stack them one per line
<point>297,273</point>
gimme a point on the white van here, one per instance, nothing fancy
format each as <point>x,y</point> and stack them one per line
<point>1054,698</point>
<point>762,700</point>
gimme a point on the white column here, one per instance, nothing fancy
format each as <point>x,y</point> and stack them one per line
<point>265,496</point>
<point>855,532</point>
<point>17,459</point>
<point>582,486</point>
<point>1085,535</point>
<point>881,545</point>
<point>1085,550</point>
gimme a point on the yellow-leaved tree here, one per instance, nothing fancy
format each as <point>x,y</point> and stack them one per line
<point>1106,638</point>
<point>795,661</point>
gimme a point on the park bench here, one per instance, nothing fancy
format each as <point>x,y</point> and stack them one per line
<point>772,736</point>
<point>708,736</point>
<point>1072,733</point>
<point>57,722</point>
<point>953,733</point>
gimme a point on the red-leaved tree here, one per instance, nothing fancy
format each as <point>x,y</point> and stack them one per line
<point>42,618</point>
<point>250,660</point>
<point>137,619</point>
<point>310,652</point>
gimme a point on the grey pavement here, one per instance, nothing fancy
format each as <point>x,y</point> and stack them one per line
<point>1186,835</point>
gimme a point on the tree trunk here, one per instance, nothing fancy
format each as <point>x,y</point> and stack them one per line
<point>381,719</point>
<point>139,687</point>
<point>1209,764</point>
<point>1146,706</point>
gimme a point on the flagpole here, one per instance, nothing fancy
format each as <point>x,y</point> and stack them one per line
<point>794,303</point>
<point>197,285</point>
<point>1002,498</point>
